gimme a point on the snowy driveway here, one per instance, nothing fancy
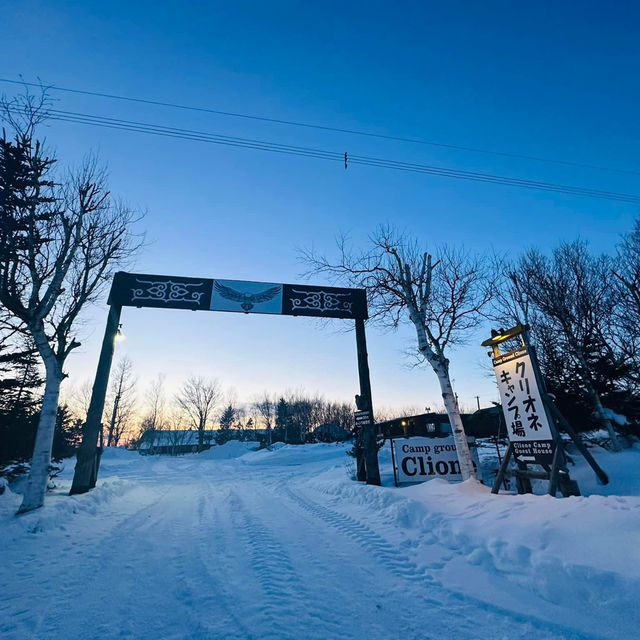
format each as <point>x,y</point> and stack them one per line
<point>204,548</point>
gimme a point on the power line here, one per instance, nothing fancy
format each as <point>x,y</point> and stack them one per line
<point>308,125</point>
<point>200,136</point>
<point>261,145</point>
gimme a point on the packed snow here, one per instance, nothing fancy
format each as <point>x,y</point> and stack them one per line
<point>237,543</point>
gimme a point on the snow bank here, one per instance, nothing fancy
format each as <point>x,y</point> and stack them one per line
<point>615,417</point>
<point>281,454</point>
<point>60,509</point>
<point>228,450</point>
<point>592,528</point>
<point>581,554</point>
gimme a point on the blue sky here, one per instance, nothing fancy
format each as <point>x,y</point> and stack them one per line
<point>543,80</point>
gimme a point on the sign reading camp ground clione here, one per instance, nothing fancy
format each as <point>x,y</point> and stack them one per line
<point>527,423</point>
<point>174,292</point>
<point>419,459</point>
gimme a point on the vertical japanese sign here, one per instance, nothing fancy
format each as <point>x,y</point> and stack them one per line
<point>527,423</point>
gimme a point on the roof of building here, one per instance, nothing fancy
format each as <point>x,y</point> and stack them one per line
<point>182,437</point>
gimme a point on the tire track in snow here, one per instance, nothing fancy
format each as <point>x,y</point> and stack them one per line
<point>132,577</point>
<point>208,605</point>
<point>361,592</point>
<point>287,604</point>
<point>388,555</point>
<point>466,607</point>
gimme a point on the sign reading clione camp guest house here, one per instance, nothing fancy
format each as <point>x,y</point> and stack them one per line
<point>527,423</point>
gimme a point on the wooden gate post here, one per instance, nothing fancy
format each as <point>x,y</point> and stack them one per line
<point>86,471</point>
<point>368,437</point>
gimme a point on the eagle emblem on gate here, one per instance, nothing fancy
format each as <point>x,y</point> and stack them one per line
<point>247,300</point>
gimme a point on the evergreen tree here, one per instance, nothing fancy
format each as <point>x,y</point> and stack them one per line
<point>20,384</point>
<point>67,435</point>
<point>226,423</point>
<point>282,421</point>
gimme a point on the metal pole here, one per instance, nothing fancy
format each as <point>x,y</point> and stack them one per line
<point>86,471</point>
<point>369,435</point>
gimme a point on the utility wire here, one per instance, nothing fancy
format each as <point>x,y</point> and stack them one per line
<point>308,125</point>
<point>261,145</point>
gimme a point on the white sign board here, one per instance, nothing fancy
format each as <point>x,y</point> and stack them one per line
<point>527,423</point>
<point>420,459</point>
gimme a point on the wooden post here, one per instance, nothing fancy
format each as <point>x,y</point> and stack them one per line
<point>86,471</point>
<point>523,483</point>
<point>503,469</point>
<point>555,468</point>
<point>369,436</point>
<point>602,476</point>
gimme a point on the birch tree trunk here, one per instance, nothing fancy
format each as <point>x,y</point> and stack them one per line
<point>33,496</point>
<point>440,366</point>
<point>453,412</point>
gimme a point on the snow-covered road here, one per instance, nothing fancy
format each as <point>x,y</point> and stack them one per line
<point>269,545</point>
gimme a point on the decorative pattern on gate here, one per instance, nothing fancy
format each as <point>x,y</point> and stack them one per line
<point>168,291</point>
<point>322,301</point>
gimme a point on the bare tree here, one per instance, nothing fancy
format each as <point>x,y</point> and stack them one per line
<point>198,398</point>
<point>78,398</point>
<point>266,408</point>
<point>627,311</point>
<point>175,434</point>
<point>572,293</point>
<point>121,405</point>
<point>303,415</point>
<point>251,418</point>
<point>627,273</point>
<point>442,298</point>
<point>61,237</point>
<point>155,415</point>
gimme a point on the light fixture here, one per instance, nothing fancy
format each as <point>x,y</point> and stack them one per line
<point>501,335</point>
<point>119,335</point>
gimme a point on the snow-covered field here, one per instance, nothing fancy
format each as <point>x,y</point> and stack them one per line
<point>281,544</point>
